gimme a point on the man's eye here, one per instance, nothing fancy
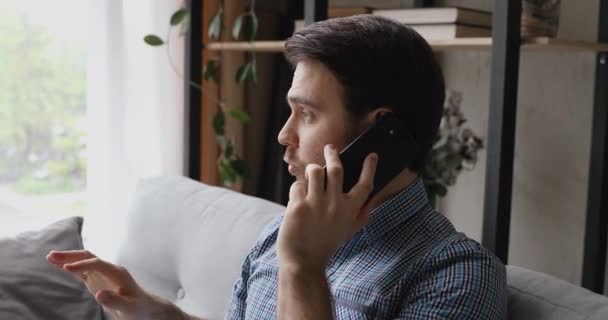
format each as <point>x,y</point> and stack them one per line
<point>305,114</point>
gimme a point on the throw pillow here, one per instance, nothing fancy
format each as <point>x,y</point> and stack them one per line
<point>31,288</point>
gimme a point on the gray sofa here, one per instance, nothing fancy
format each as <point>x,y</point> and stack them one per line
<point>186,242</point>
<point>535,295</point>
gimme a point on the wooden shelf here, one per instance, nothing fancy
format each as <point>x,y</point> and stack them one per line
<point>257,46</point>
<point>552,44</point>
<point>532,44</point>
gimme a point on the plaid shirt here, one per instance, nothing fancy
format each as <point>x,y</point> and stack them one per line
<point>408,262</point>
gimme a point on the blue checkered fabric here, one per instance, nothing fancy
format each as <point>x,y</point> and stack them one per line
<point>408,262</point>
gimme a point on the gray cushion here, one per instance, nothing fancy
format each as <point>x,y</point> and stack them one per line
<point>538,296</point>
<point>31,288</point>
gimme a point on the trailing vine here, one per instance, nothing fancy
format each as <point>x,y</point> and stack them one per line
<point>231,166</point>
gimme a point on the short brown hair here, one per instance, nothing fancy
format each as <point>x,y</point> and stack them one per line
<point>379,62</point>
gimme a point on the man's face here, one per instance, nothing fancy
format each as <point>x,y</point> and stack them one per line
<point>318,117</point>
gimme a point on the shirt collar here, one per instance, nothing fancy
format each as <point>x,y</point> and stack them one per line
<point>395,211</point>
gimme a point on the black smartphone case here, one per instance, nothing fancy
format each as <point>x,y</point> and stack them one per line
<point>390,139</point>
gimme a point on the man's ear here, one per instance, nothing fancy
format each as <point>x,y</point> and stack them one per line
<point>373,115</point>
<point>370,118</point>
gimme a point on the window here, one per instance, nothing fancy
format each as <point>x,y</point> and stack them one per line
<point>42,110</point>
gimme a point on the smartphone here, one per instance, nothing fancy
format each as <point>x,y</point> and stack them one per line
<point>391,140</point>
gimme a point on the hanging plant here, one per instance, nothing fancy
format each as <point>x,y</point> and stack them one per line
<point>230,166</point>
<point>455,149</point>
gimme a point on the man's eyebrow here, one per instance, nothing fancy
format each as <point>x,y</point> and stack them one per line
<point>301,101</point>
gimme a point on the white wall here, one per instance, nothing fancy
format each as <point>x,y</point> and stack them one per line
<point>552,142</point>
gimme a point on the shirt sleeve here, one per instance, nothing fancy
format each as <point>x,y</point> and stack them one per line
<point>238,303</point>
<point>464,281</point>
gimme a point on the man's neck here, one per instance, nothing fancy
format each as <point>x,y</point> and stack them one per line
<point>394,187</point>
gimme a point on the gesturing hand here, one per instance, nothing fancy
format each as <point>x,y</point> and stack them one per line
<point>113,286</point>
<point>318,220</point>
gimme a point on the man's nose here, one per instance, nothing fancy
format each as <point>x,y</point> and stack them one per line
<point>287,135</point>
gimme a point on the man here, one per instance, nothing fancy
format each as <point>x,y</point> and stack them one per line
<point>335,254</point>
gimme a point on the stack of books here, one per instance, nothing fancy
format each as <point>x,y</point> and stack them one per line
<point>430,23</point>
<point>443,23</point>
<point>338,12</point>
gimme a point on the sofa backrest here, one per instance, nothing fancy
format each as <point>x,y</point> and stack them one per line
<point>538,296</point>
<point>186,241</point>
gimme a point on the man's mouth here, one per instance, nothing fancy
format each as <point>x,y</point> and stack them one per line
<point>293,169</point>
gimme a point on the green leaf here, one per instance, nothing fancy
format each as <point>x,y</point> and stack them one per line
<point>243,72</point>
<point>153,40</point>
<point>210,70</point>
<point>222,141</point>
<point>228,150</point>
<point>223,177</point>
<point>215,26</point>
<point>185,26</point>
<point>236,27</point>
<point>178,16</point>
<point>240,115</point>
<point>248,23</point>
<point>218,122</point>
<point>227,173</point>
<point>251,26</point>
<point>247,71</point>
<point>253,73</point>
<point>441,190</point>
<point>225,144</point>
<point>240,167</point>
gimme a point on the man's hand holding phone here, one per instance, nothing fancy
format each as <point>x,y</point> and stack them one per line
<point>318,220</point>
<point>113,287</point>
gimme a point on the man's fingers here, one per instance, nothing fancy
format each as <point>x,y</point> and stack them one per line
<point>297,191</point>
<point>365,185</point>
<point>316,180</point>
<point>335,171</point>
<point>62,257</point>
<point>115,273</point>
<point>112,300</point>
